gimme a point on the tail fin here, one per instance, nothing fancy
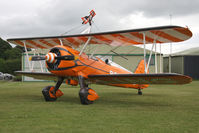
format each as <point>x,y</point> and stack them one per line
<point>140,68</point>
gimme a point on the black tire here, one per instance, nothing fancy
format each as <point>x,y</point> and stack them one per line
<point>83,93</point>
<point>46,94</point>
<point>139,92</point>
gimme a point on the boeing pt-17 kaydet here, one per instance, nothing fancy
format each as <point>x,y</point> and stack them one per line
<point>64,63</point>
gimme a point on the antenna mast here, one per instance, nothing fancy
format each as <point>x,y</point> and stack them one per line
<point>170,16</point>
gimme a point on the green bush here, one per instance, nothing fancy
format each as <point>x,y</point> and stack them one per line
<point>10,58</point>
<point>12,65</point>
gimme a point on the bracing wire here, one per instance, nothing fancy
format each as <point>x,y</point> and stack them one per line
<point>72,29</point>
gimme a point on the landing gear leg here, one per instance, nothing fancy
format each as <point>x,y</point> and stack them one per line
<point>87,95</point>
<point>139,92</point>
<point>51,93</point>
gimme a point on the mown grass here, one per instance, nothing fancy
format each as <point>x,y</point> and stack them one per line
<point>161,109</point>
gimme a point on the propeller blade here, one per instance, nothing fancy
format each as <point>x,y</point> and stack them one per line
<point>36,58</point>
<point>66,57</point>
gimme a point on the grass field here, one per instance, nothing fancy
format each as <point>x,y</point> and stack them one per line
<point>161,109</point>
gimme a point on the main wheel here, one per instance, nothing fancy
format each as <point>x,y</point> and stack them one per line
<point>47,94</point>
<point>87,96</point>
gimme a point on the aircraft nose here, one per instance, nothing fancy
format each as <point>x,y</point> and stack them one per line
<point>51,57</point>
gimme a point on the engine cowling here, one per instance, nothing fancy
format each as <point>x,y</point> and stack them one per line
<point>59,56</point>
<point>51,60</point>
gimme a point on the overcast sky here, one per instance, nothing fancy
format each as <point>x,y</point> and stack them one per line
<point>28,18</point>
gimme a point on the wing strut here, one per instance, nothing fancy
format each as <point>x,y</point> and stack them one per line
<point>147,67</point>
<point>144,42</point>
<point>27,56</point>
<point>89,38</point>
<point>31,64</point>
<point>61,43</point>
<point>85,45</point>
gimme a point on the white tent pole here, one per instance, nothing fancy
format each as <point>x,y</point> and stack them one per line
<point>160,59</point>
<point>170,57</point>
<point>156,70</point>
<point>33,63</point>
<point>170,15</point>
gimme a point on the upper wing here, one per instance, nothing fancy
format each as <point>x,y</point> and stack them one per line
<point>163,78</point>
<point>38,75</point>
<point>163,34</point>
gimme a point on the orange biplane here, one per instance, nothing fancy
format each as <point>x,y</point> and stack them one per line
<point>64,63</point>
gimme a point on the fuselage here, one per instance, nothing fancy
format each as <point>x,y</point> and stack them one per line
<point>84,65</point>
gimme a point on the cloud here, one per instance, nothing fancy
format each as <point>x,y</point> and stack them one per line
<point>154,8</point>
<point>22,18</point>
<point>56,16</point>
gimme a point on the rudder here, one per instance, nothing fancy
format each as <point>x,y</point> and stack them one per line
<point>140,68</point>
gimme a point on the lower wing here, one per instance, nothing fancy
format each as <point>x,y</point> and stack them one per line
<point>38,75</point>
<point>162,78</point>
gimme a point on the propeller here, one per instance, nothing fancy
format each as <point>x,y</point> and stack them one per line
<point>52,57</point>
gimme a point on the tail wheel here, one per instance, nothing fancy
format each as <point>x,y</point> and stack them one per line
<point>48,93</point>
<point>139,92</point>
<point>87,96</point>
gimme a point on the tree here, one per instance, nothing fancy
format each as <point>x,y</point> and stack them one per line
<point>10,58</point>
<point>13,65</point>
<point>2,65</point>
<point>3,47</point>
<point>13,53</point>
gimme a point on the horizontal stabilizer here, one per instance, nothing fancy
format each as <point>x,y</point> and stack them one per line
<point>162,78</point>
